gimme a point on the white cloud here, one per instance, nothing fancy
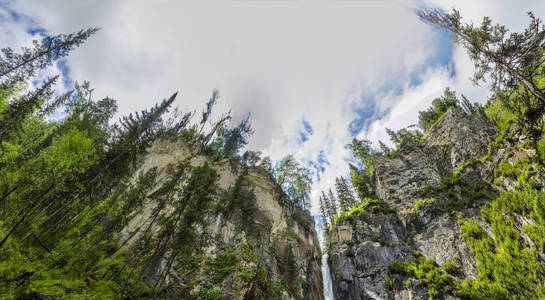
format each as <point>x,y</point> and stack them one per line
<point>281,61</point>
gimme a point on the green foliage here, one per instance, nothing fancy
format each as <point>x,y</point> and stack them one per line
<point>389,284</point>
<point>420,204</point>
<point>289,269</point>
<point>362,182</point>
<point>229,141</point>
<point>344,194</point>
<point>452,269</point>
<point>500,114</point>
<point>440,283</point>
<point>67,272</point>
<point>295,180</point>
<point>368,206</point>
<point>404,135</point>
<point>239,198</point>
<point>362,151</point>
<point>209,293</point>
<point>225,263</point>
<point>496,262</point>
<point>508,59</point>
<point>427,271</point>
<point>438,107</point>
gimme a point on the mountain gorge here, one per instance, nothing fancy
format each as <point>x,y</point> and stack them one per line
<point>165,204</point>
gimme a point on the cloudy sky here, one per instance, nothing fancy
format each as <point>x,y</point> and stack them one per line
<point>313,74</point>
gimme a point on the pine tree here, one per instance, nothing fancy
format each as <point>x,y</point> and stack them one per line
<point>346,197</point>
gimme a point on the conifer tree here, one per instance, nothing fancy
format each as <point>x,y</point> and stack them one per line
<point>333,205</point>
<point>507,58</point>
<point>330,205</point>
<point>15,67</point>
<point>324,211</point>
<point>346,197</point>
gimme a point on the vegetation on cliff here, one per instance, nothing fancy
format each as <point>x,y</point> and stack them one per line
<point>69,189</point>
<point>506,236</point>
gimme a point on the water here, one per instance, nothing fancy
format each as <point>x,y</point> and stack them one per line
<point>326,276</point>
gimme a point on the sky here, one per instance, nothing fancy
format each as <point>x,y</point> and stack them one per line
<point>312,74</point>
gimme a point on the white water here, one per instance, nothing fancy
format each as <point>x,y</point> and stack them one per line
<point>326,276</point>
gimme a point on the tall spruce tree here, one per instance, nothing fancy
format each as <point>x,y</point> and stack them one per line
<point>345,194</point>
<point>333,205</point>
<point>324,211</point>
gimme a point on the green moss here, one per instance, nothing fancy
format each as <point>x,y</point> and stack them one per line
<point>389,284</point>
<point>496,262</point>
<point>209,293</point>
<point>502,116</point>
<point>536,234</point>
<point>225,263</point>
<point>362,211</point>
<point>440,283</point>
<point>290,234</point>
<point>420,204</point>
<point>427,271</point>
<point>452,269</point>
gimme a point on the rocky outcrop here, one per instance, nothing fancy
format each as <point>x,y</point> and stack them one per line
<point>249,244</point>
<point>455,139</point>
<point>359,253</point>
<point>363,245</point>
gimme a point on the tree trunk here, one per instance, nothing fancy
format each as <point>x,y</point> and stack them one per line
<point>529,85</point>
<point>29,210</point>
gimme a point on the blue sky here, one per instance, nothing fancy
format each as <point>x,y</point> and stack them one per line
<point>313,74</point>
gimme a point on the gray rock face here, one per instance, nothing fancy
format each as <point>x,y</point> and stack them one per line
<point>360,253</point>
<point>274,233</point>
<point>457,138</point>
<point>398,176</point>
<point>454,140</point>
<point>362,247</point>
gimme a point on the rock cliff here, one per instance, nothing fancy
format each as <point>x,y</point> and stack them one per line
<point>402,246</point>
<point>248,243</point>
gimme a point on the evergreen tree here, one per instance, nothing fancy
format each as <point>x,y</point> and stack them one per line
<point>438,107</point>
<point>410,133</point>
<point>362,183</point>
<point>230,141</point>
<point>17,110</point>
<point>15,67</point>
<point>324,211</point>
<point>346,197</point>
<point>333,204</point>
<point>362,150</point>
<point>508,58</point>
<point>330,203</point>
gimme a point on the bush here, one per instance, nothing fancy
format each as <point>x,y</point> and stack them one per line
<point>452,269</point>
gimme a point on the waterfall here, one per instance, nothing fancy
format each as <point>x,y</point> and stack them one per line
<point>326,276</point>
